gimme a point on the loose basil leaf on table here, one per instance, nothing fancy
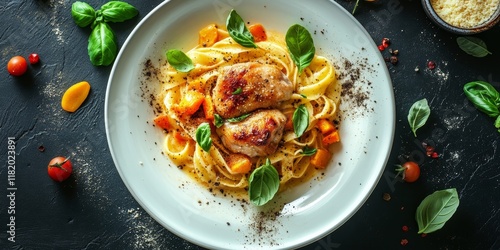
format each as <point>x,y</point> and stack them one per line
<point>436,209</point>
<point>117,11</point>
<point>300,120</point>
<point>473,46</point>
<point>238,30</point>
<point>180,61</point>
<point>484,97</point>
<point>102,47</point>
<point>418,115</point>
<point>203,136</point>
<point>300,45</point>
<point>264,183</point>
<point>83,14</point>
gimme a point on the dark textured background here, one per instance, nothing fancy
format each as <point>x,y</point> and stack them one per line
<point>94,210</point>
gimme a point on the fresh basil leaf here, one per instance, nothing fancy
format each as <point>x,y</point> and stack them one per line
<point>203,136</point>
<point>238,91</point>
<point>180,61</point>
<point>118,11</point>
<point>238,30</point>
<point>264,183</point>
<point>83,14</point>
<point>300,120</point>
<point>300,45</point>
<point>218,120</point>
<point>238,119</point>
<point>484,97</point>
<point>102,47</point>
<point>436,209</point>
<point>418,115</point>
<point>309,151</point>
<point>473,46</point>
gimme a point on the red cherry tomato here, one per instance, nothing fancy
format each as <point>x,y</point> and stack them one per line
<point>34,58</point>
<point>60,168</point>
<point>410,171</point>
<point>17,66</point>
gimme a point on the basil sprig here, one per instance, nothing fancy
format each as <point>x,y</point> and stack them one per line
<point>102,47</point>
<point>83,14</point>
<point>308,151</point>
<point>436,209</point>
<point>264,183</point>
<point>219,121</point>
<point>473,46</point>
<point>203,136</point>
<point>238,91</point>
<point>301,46</point>
<point>117,11</point>
<point>102,44</point>
<point>418,115</point>
<point>485,98</point>
<point>300,120</point>
<point>180,61</point>
<point>238,30</point>
<point>239,118</point>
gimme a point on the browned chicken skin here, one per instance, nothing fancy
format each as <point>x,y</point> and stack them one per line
<point>257,135</point>
<point>246,87</point>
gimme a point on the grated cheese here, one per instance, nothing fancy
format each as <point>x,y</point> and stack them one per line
<point>465,13</point>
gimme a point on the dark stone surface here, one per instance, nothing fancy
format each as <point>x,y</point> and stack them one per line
<point>94,210</point>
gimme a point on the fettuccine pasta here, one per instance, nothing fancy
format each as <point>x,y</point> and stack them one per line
<point>315,88</point>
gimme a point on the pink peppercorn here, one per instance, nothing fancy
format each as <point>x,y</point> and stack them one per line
<point>431,65</point>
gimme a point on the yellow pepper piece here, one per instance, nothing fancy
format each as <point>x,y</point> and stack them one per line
<point>75,96</point>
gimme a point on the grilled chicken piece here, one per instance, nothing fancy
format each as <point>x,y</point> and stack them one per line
<point>246,87</point>
<point>257,135</point>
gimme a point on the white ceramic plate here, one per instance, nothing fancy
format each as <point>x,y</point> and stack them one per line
<point>305,213</point>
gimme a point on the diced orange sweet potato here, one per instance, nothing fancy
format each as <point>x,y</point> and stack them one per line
<point>162,121</point>
<point>333,137</point>
<point>239,163</point>
<point>190,103</point>
<point>208,108</point>
<point>321,158</point>
<point>208,35</point>
<point>325,126</point>
<point>258,32</point>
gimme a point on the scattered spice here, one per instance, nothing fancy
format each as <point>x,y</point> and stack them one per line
<point>423,235</point>
<point>41,148</point>
<point>394,52</point>
<point>386,197</point>
<point>417,69</point>
<point>431,65</point>
<point>405,228</point>
<point>386,42</point>
<point>430,151</point>
<point>394,60</point>
<point>434,155</point>
<point>404,242</point>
